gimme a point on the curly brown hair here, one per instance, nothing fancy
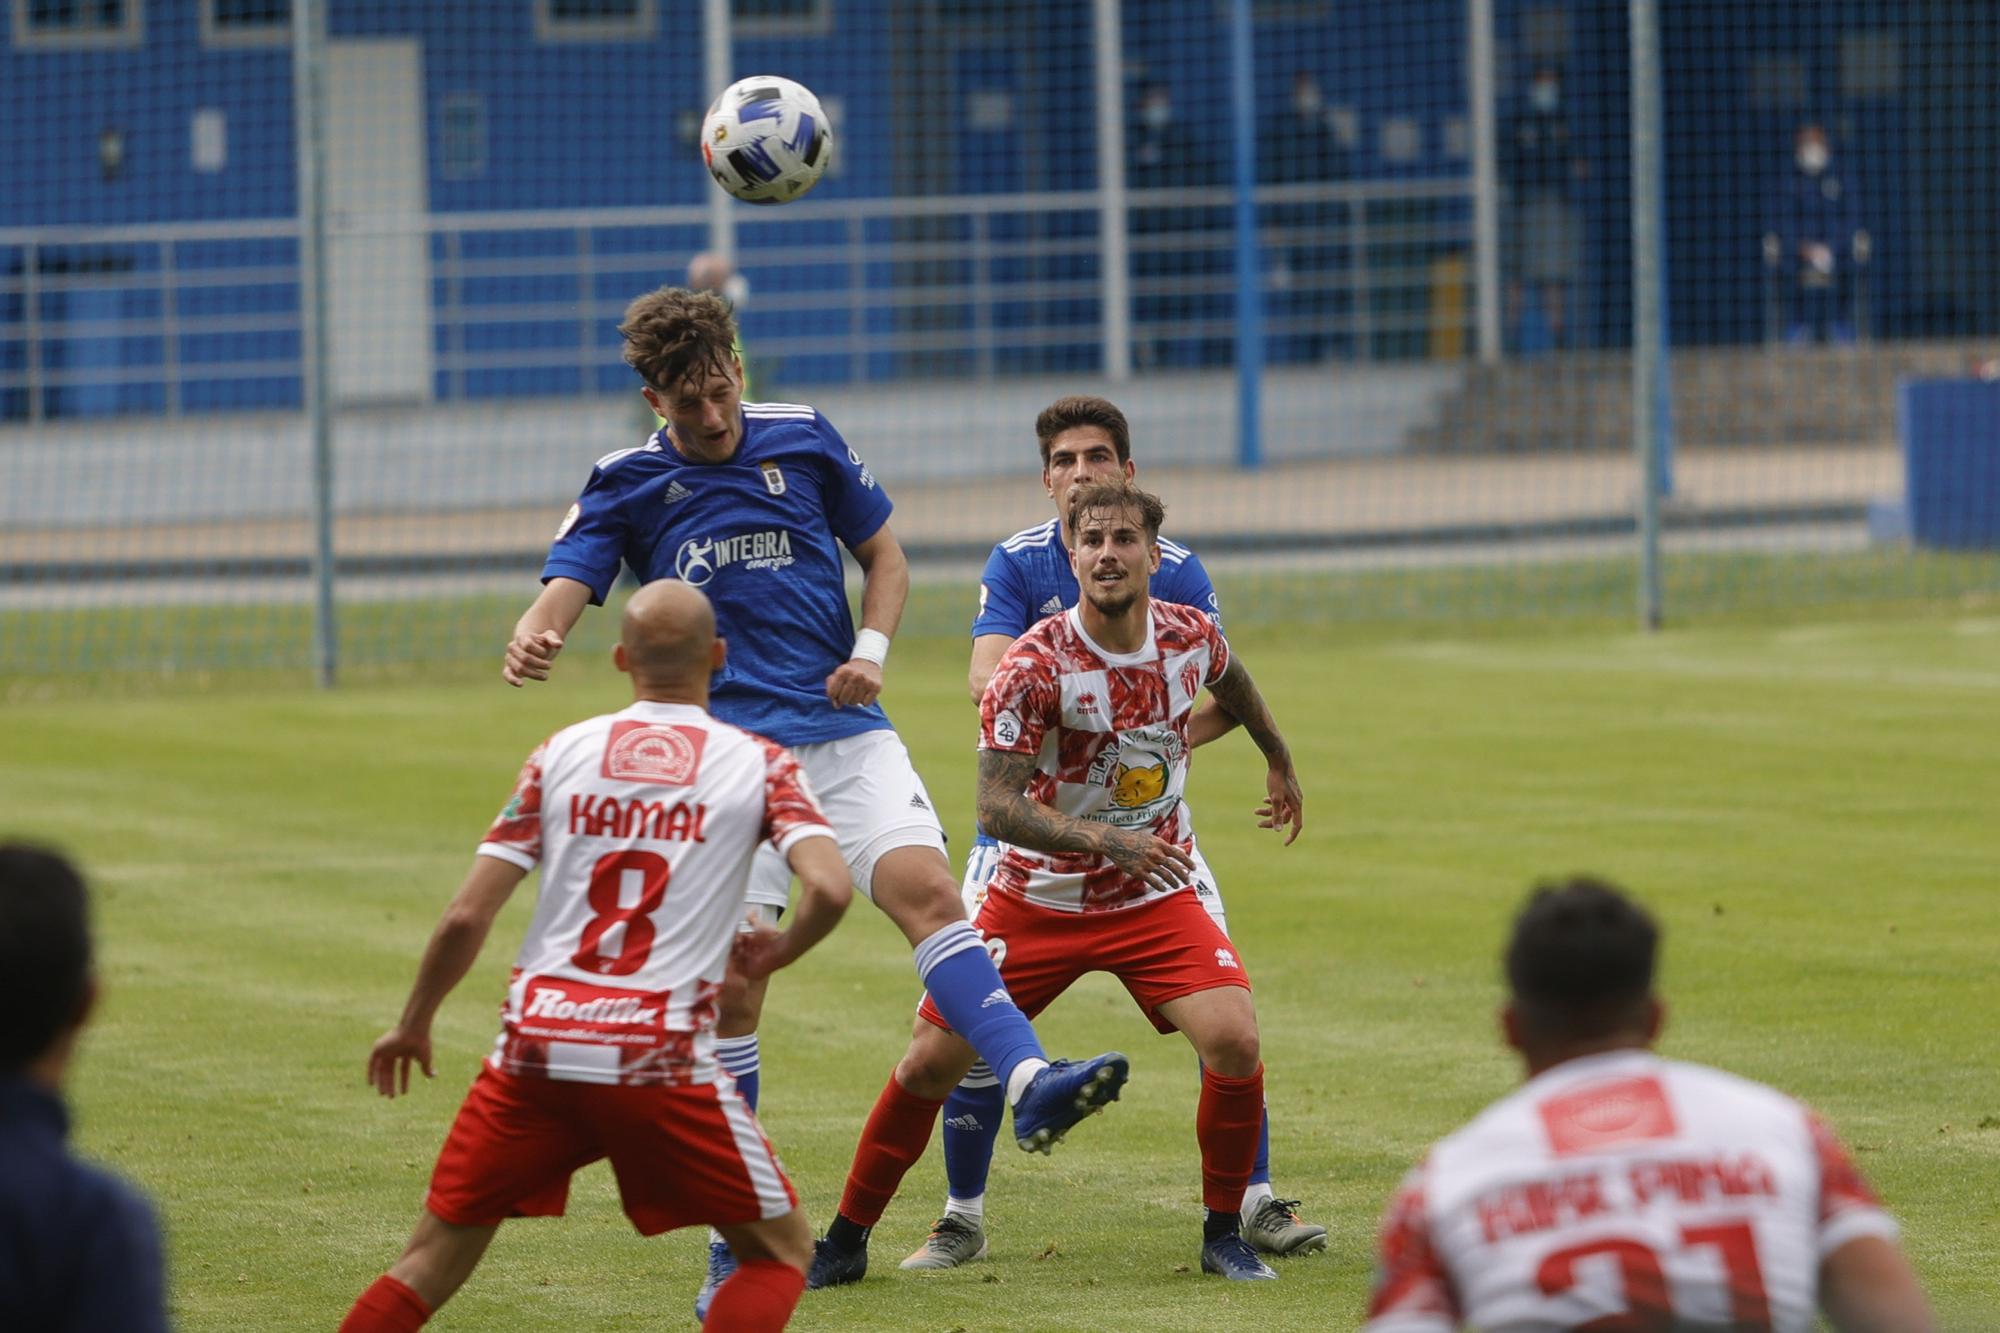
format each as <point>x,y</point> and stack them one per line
<point>675,337</point>
<point>1121,496</point>
<point>1083,410</point>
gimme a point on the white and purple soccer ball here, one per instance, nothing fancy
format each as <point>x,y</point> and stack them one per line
<point>766,139</point>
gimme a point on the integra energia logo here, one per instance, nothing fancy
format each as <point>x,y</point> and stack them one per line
<point>700,558</point>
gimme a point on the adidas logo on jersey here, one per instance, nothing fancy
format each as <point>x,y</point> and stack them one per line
<point>917,801</point>
<point>675,493</point>
<point>968,1121</point>
<point>1053,605</point>
<point>999,996</point>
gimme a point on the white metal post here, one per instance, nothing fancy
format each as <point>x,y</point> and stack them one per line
<point>1484,127</point>
<point>309,152</point>
<point>1649,340</point>
<point>717,66</point>
<point>1112,213</point>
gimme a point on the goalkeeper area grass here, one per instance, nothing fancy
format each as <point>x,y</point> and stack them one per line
<point>1808,809</point>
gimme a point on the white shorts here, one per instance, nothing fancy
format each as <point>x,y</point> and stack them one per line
<point>760,914</point>
<point>985,855</point>
<point>871,794</point>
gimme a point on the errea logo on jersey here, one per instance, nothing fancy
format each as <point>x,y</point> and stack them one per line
<point>700,557</point>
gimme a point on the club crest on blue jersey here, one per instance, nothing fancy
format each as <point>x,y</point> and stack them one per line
<point>774,480</point>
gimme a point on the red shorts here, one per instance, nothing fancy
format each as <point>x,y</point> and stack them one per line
<point>1161,950</point>
<point>682,1154</point>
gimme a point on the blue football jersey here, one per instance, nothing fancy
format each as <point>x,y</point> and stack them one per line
<point>1028,577</point>
<point>758,535</point>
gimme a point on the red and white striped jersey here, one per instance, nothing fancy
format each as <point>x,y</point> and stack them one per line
<point>1622,1188</point>
<point>1109,731</point>
<point>644,823</point>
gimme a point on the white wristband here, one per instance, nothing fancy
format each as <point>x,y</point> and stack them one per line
<point>871,645</point>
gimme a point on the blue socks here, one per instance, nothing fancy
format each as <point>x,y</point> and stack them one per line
<point>739,1056</point>
<point>966,988</point>
<point>972,1117</point>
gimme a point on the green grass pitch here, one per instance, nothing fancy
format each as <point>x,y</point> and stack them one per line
<point>1810,809</point>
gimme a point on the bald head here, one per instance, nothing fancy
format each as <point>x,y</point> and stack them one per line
<point>667,638</point>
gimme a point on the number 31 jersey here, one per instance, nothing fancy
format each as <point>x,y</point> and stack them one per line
<point>1623,1188</point>
<point>644,823</point>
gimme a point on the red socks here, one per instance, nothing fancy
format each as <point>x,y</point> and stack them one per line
<point>760,1296</point>
<point>1227,1125</point>
<point>389,1307</point>
<point>897,1132</point>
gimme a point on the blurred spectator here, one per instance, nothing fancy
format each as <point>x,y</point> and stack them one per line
<point>1541,167</point>
<point>1815,248</point>
<point>1308,151</point>
<point>711,272</point>
<point>1308,146</point>
<point>1164,150</point>
<point>78,1247</point>
<point>1173,248</point>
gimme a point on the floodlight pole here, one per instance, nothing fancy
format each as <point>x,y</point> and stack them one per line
<point>1649,334</point>
<point>1484,126</point>
<point>717,64</point>
<point>1249,279</point>
<point>309,116</point>
<point>1112,218</point>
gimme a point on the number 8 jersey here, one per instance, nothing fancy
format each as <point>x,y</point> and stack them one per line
<point>644,823</point>
<point>1623,1191</point>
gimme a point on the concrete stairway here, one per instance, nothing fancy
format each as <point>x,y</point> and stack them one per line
<point>1721,396</point>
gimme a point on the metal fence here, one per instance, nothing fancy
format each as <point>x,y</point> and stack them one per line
<point>342,424</point>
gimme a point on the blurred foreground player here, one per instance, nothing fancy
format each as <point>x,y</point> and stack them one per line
<point>1083,760</point>
<point>79,1249</point>
<point>1618,1190</point>
<point>1029,576</point>
<point>752,503</point>
<point>644,823</point>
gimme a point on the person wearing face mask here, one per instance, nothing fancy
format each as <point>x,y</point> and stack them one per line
<point>1309,151</point>
<point>1540,166</point>
<point>1814,244</point>
<point>1172,253</point>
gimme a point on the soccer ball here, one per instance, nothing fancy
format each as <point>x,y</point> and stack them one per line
<point>766,139</point>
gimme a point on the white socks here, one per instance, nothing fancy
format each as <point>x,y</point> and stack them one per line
<point>1024,1074</point>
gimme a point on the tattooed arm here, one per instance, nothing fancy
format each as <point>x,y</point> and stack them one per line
<point>1006,812</point>
<point>1238,696</point>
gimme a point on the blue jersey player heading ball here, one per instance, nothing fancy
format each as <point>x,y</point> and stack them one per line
<point>751,503</point>
<point>1028,577</point>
